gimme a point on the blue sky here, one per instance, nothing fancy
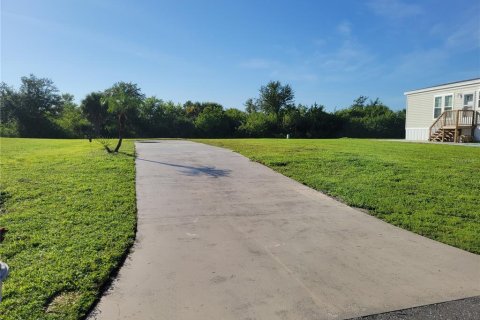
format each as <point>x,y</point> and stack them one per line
<point>330,52</point>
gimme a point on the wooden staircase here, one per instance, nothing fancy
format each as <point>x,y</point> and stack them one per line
<point>448,127</point>
<point>443,135</point>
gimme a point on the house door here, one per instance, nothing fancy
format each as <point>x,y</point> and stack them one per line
<point>478,101</point>
<point>468,101</point>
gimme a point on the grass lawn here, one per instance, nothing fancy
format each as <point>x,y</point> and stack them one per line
<point>433,190</point>
<point>71,214</point>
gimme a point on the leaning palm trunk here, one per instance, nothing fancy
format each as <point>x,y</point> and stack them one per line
<point>105,142</point>
<point>121,125</point>
<point>119,144</point>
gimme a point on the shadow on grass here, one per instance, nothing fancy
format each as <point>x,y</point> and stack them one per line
<point>129,154</point>
<point>194,171</point>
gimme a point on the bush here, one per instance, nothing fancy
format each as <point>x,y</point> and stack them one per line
<point>259,124</point>
<point>9,129</point>
<point>371,120</point>
<point>212,122</point>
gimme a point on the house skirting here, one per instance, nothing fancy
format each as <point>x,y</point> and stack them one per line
<point>422,134</point>
<point>416,134</point>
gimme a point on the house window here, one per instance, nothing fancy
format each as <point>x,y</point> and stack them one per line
<point>442,104</point>
<point>468,101</point>
<point>437,110</point>
<point>448,105</point>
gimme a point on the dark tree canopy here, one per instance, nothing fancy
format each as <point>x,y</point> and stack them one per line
<point>371,119</point>
<point>275,97</point>
<point>40,96</point>
<point>123,98</point>
<point>251,106</point>
<point>96,112</point>
<point>212,121</point>
<point>37,109</point>
<point>33,106</point>
<point>8,102</point>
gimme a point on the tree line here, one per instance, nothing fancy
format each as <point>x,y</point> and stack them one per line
<point>38,109</point>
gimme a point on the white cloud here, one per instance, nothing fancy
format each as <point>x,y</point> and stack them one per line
<point>345,28</point>
<point>466,36</point>
<point>420,62</point>
<point>430,62</point>
<point>348,58</point>
<point>101,40</point>
<point>394,9</point>
<point>343,60</point>
<point>319,42</point>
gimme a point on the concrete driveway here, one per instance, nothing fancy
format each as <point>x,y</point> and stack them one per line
<point>221,237</point>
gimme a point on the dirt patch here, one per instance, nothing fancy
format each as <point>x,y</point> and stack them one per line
<point>62,301</point>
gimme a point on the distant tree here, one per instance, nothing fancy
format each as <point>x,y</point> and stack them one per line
<point>33,106</point>
<point>38,110</point>
<point>371,119</point>
<point>275,97</point>
<point>8,98</point>
<point>193,109</point>
<point>8,104</point>
<point>149,117</point>
<point>251,106</point>
<point>259,124</point>
<point>320,123</point>
<point>175,121</point>
<point>235,119</point>
<point>150,108</point>
<point>71,120</point>
<point>67,99</point>
<point>212,121</point>
<point>40,96</point>
<point>95,111</point>
<point>122,98</point>
<point>294,121</point>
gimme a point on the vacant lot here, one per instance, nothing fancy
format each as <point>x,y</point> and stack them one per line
<point>433,190</point>
<point>70,211</point>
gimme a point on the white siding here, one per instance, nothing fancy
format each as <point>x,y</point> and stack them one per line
<point>419,110</point>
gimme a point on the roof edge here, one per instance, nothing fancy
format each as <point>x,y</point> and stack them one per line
<point>445,86</point>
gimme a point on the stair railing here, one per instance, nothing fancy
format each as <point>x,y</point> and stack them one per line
<point>438,124</point>
<point>454,119</point>
<point>466,118</point>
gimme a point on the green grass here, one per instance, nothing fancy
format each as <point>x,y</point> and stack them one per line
<point>433,190</point>
<point>71,214</point>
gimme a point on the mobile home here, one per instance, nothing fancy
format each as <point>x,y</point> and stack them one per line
<point>448,112</point>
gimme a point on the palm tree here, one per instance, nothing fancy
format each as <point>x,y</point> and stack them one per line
<point>121,98</point>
